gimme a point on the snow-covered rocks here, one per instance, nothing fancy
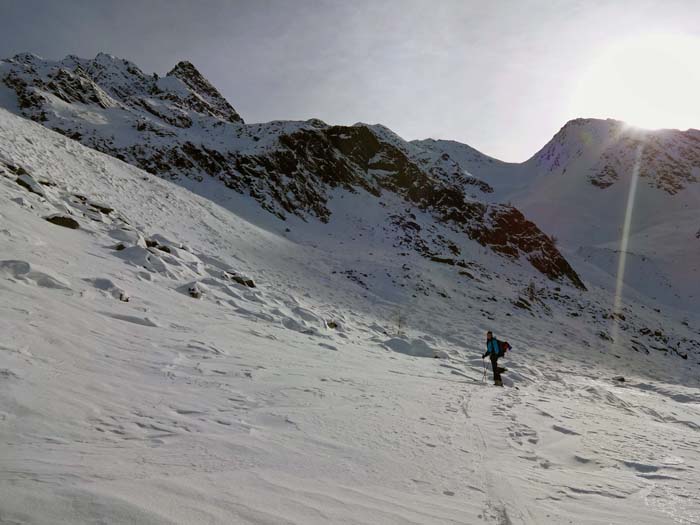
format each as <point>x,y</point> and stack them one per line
<point>28,182</point>
<point>231,275</point>
<point>107,285</point>
<point>127,237</point>
<point>195,290</point>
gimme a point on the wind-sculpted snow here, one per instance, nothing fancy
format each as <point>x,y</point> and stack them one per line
<point>179,127</point>
<point>323,374</point>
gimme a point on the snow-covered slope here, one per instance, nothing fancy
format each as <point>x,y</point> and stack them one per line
<point>578,188</point>
<point>145,379</point>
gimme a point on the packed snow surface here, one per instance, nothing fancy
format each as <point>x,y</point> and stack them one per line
<point>173,360</point>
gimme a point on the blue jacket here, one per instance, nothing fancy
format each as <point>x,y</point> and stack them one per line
<point>492,348</point>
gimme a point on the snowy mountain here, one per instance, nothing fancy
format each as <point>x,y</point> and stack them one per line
<point>290,329</point>
<point>577,188</point>
<point>179,127</point>
<point>168,361</point>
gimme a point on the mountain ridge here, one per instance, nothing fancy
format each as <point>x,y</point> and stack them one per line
<point>179,127</point>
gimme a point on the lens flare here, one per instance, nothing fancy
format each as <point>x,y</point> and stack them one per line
<point>624,242</point>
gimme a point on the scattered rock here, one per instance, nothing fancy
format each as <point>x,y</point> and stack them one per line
<point>604,336</point>
<point>27,182</point>
<point>522,303</point>
<point>63,220</point>
<point>240,279</point>
<point>102,208</point>
<point>6,373</point>
<point>619,379</point>
<point>195,290</point>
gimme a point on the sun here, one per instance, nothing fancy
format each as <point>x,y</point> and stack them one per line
<point>651,81</point>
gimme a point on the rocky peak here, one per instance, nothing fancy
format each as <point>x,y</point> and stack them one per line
<point>189,74</point>
<point>606,151</point>
<point>25,58</point>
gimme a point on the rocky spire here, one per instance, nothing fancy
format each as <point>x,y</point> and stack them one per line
<point>220,107</point>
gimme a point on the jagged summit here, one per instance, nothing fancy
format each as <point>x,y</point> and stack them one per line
<point>189,74</point>
<point>25,58</point>
<point>183,97</point>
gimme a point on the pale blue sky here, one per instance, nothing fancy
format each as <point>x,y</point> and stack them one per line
<point>502,76</point>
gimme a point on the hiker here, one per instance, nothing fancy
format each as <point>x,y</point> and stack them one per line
<point>495,349</point>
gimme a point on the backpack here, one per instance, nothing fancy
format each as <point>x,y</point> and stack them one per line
<point>503,347</point>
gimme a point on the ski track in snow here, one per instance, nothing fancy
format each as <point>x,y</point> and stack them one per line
<point>245,406</point>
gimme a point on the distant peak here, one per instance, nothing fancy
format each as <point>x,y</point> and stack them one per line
<point>107,59</point>
<point>101,56</point>
<point>190,75</point>
<point>26,58</point>
<point>186,69</point>
<point>578,122</point>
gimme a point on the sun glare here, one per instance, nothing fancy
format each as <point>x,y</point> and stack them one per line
<point>650,82</point>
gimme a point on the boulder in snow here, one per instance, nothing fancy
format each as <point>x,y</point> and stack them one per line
<point>28,182</point>
<point>102,208</point>
<point>240,279</point>
<point>196,290</point>
<point>63,220</point>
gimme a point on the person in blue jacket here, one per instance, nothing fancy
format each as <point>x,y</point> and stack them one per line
<point>494,350</point>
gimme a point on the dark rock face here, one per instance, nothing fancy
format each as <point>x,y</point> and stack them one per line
<point>511,234</point>
<point>76,86</point>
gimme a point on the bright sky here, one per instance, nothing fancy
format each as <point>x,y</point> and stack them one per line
<point>501,76</point>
